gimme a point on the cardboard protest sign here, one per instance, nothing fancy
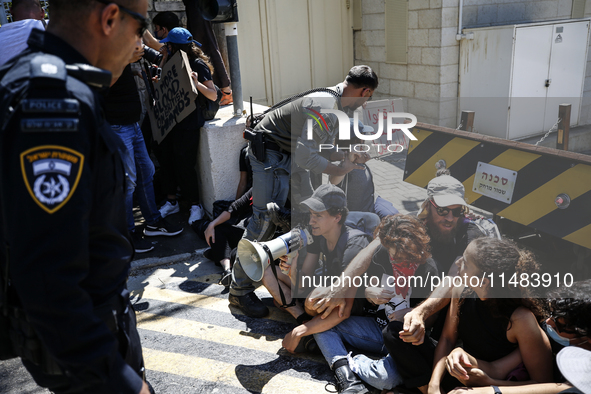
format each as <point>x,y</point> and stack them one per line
<point>174,96</point>
<point>376,112</point>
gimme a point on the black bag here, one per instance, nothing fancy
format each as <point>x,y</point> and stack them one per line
<point>211,107</point>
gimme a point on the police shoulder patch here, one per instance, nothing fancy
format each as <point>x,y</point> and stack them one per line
<point>51,174</point>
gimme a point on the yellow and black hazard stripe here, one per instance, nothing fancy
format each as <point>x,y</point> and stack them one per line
<point>542,175</point>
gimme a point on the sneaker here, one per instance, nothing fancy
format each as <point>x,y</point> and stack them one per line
<point>196,213</point>
<point>249,304</point>
<point>226,278</point>
<point>226,98</point>
<point>169,208</point>
<point>162,227</point>
<point>140,244</point>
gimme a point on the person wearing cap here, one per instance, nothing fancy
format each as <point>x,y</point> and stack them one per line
<point>442,212</point>
<point>334,246</point>
<point>177,153</point>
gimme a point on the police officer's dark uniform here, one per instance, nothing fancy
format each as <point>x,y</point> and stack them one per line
<point>63,224</point>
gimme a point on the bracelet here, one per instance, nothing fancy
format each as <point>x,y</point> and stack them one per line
<point>496,389</point>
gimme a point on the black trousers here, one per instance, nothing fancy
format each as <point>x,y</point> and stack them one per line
<point>129,346</point>
<point>226,239</point>
<point>414,363</point>
<point>177,155</point>
<point>203,32</point>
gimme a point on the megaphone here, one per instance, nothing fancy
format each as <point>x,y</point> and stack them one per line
<point>256,256</point>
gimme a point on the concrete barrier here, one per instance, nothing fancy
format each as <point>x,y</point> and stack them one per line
<point>217,162</point>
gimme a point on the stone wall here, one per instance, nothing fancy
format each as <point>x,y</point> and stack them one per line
<point>429,82</point>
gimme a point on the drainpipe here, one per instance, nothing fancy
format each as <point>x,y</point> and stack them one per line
<point>460,36</point>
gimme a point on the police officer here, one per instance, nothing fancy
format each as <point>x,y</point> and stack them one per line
<point>65,251</point>
<point>285,133</point>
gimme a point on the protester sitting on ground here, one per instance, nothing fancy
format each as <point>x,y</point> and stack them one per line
<point>26,15</point>
<point>494,323</point>
<point>163,23</point>
<point>337,243</point>
<point>568,326</point>
<point>402,252</point>
<point>178,150</point>
<point>442,212</point>
<point>123,111</point>
<point>359,186</point>
<point>222,237</point>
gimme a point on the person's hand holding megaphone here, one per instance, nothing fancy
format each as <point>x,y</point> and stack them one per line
<point>286,262</point>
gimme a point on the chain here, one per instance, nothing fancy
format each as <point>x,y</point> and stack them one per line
<point>553,128</point>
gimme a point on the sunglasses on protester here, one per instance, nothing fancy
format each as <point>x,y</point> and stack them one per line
<point>142,20</point>
<point>456,212</point>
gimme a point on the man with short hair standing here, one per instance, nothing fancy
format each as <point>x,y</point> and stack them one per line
<point>64,247</point>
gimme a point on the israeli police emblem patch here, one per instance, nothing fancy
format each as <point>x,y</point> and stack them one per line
<point>51,174</point>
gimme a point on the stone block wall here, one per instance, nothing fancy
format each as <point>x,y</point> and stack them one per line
<point>429,80</point>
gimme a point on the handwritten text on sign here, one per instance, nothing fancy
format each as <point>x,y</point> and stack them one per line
<point>174,96</point>
<point>376,112</point>
<point>494,182</point>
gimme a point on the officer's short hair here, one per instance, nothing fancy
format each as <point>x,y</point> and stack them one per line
<point>167,19</point>
<point>362,77</point>
<point>78,10</point>
<point>19,3</point>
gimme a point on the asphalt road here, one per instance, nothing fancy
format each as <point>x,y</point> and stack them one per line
<point>194,342</point>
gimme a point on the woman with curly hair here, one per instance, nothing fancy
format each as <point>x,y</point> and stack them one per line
<point>385,294</point>
<point>498,325</point>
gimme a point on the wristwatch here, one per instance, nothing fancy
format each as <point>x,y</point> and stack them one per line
<point>497,390</point>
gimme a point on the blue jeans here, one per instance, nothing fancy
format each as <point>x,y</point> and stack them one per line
<point>139,173</point>
<point>364,334</point>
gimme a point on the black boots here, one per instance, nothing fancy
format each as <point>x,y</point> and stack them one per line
<point>347,381</point>
<point>249,304</point>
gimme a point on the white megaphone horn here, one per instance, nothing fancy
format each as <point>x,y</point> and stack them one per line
<point>256,256</point>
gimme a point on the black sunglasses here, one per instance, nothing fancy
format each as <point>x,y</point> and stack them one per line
<point>142,20</point>
<point>456,212</point>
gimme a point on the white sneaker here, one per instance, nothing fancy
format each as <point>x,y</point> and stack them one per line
<point>196,213</point>
<point>169,209</point>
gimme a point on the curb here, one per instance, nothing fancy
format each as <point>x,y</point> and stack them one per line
<point>152,262</point>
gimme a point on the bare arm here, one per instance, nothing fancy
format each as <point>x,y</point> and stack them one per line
<point>210,230</point>
<point>415,321</point>
<point>317,324</point>
<point>150,41</point>
<point>446,343</point>
<point>206,88</point>
<point>534,345</point>
<point>336,179</point>
<point>539,388</point>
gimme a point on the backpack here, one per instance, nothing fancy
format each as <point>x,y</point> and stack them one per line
<point>365,222</point>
